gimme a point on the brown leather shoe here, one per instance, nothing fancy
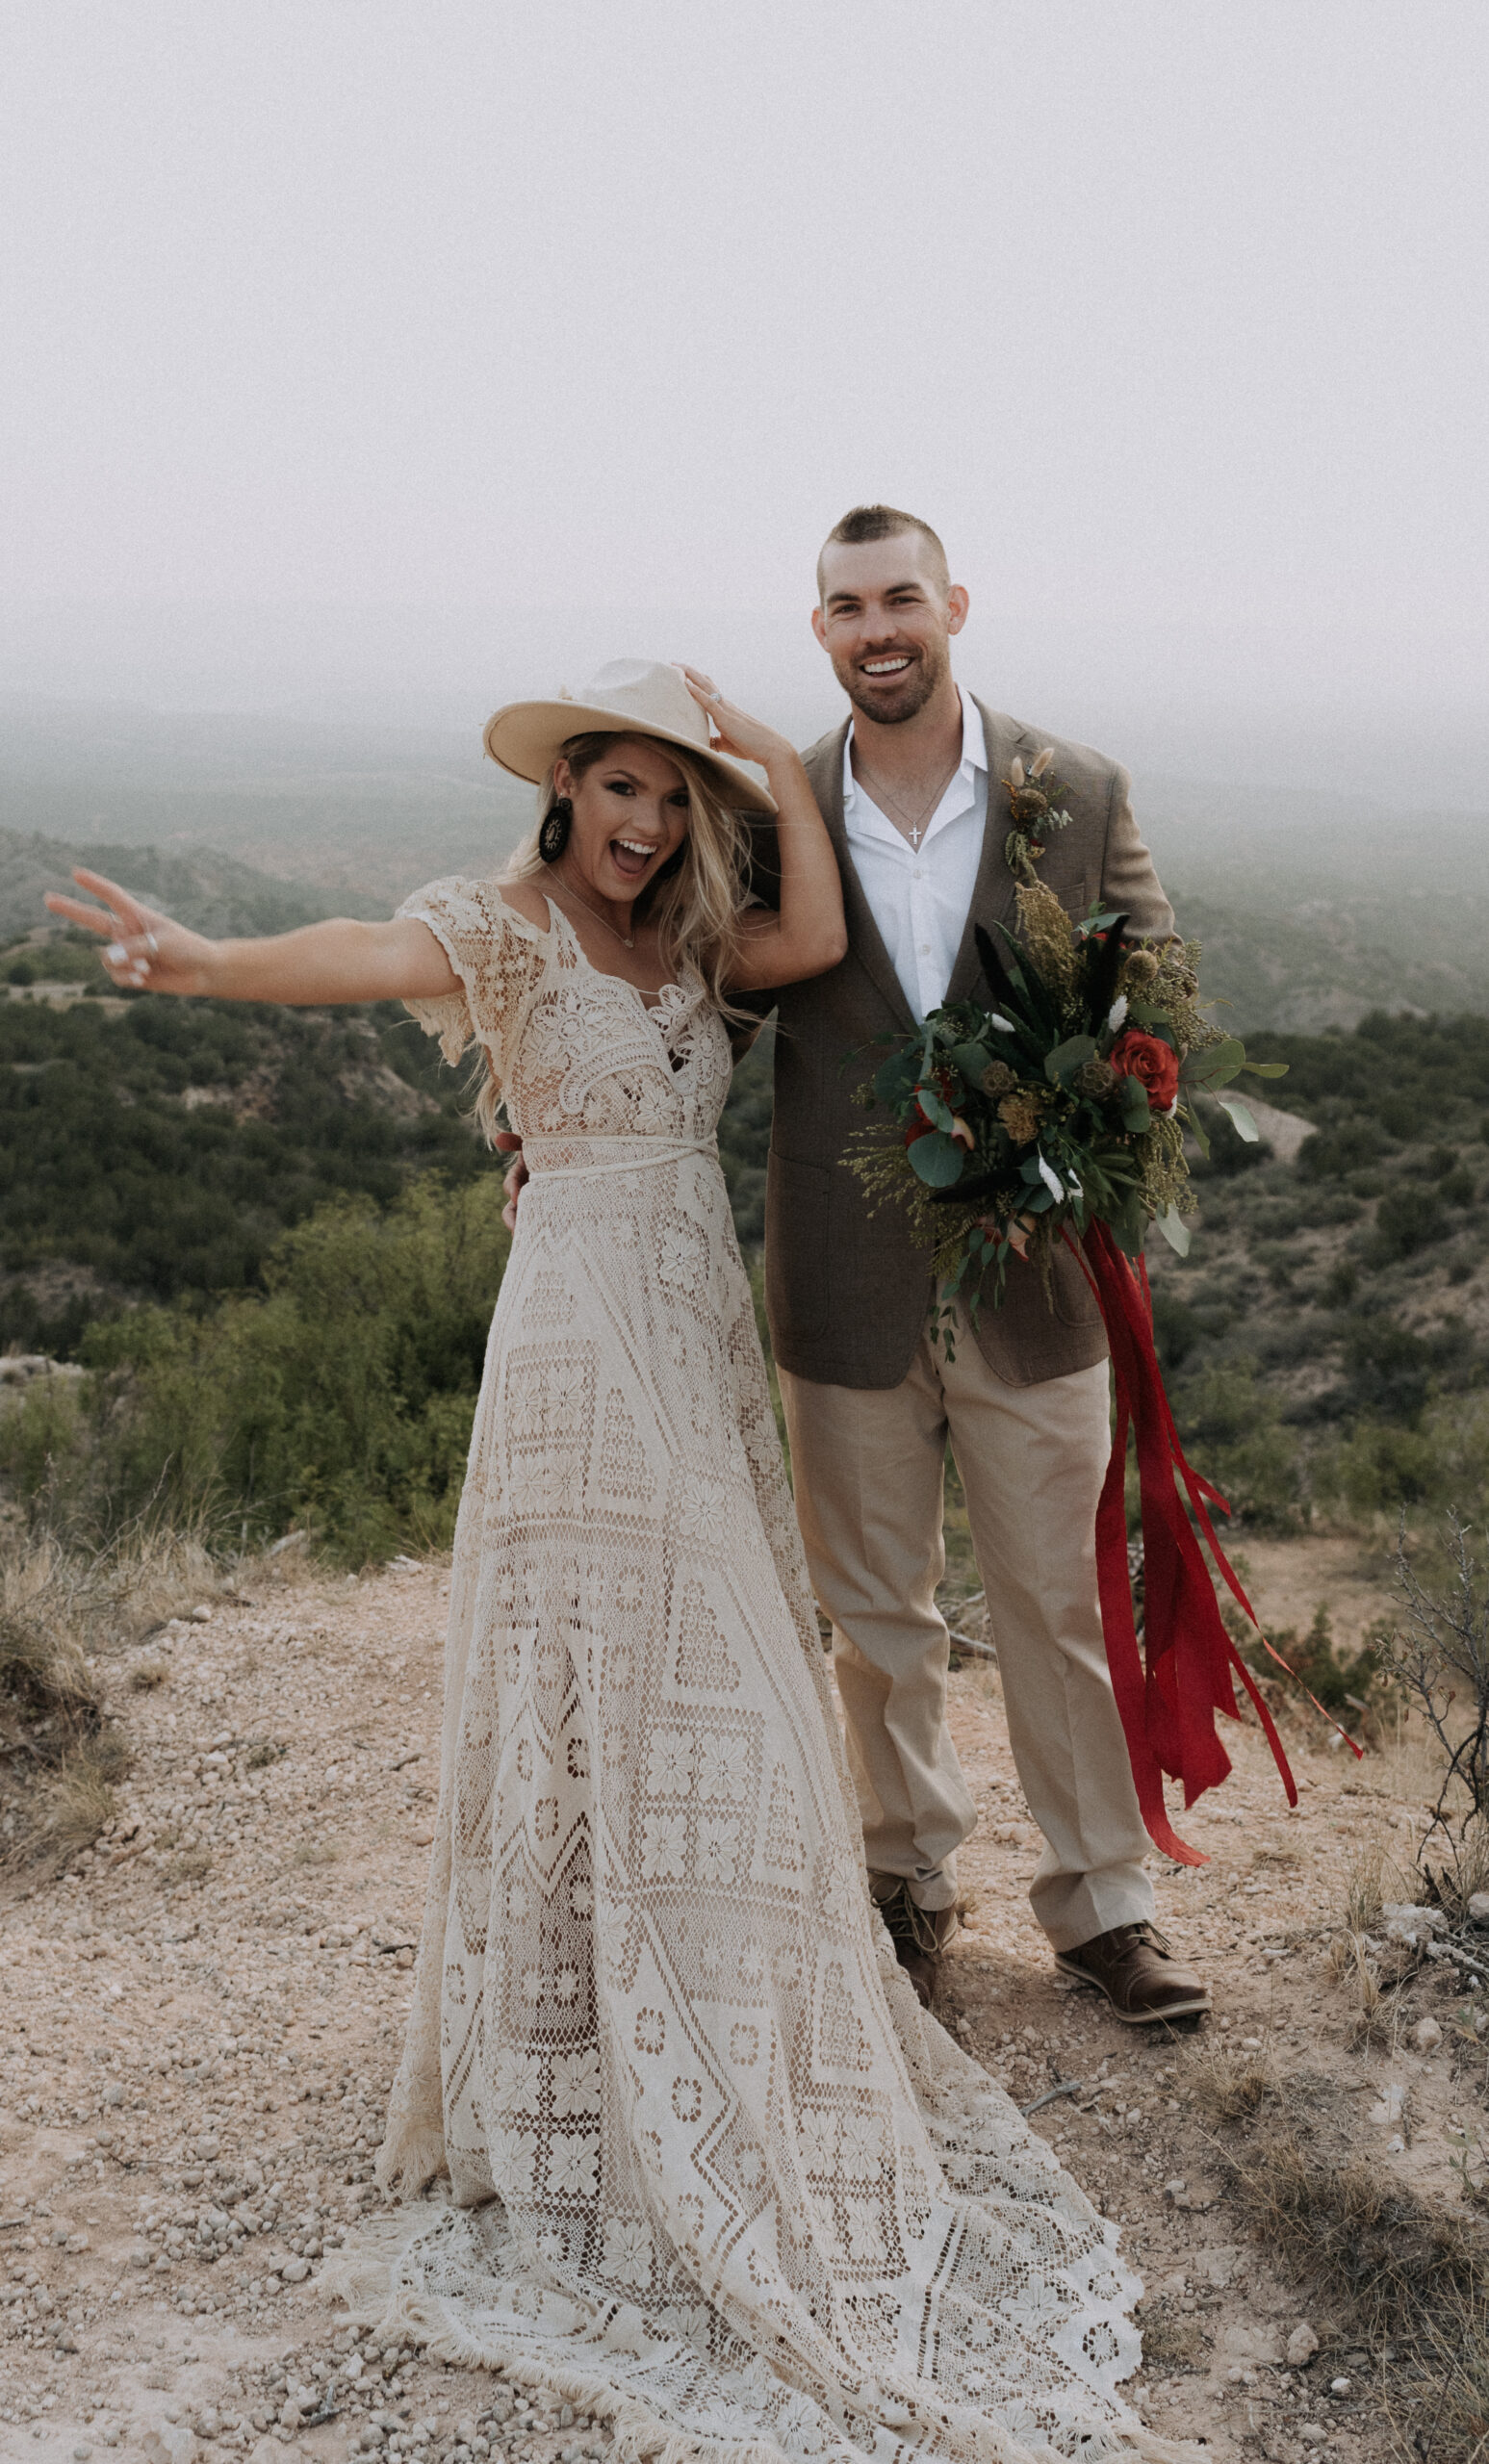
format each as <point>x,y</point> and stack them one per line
<point>919,1935</point>
<point>1135,1967</point>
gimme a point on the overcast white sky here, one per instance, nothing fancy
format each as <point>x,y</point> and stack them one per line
<point>364,348</point>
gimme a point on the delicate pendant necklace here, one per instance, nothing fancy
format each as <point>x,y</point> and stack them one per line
<point>912,825</point>
<point>624,938</point>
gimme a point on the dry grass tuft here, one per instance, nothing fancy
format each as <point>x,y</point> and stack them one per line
<point>1361,2238</point>
<point>192,1865</point>
<point>313,1852</point>
<point>147,1674</point>
<point>1227,2084</point>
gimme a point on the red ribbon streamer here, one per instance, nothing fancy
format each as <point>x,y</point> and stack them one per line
<point>1168,1690</point>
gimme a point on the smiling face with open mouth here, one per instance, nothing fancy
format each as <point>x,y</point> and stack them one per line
<point>630,814</point>
<point>885,620</point>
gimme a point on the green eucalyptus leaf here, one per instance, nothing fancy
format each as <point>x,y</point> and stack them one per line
<point>970,1058</point>
<point>1217,1064</point>
<point>1174,1229</point>
<point>1062,1065</point>
<point>934,1106</point>
<point>1244,1119</point>
<point>1197,1130</point>
<point>1266,1068</point>
<point>894,1079</point>
<point>937,1160</point>
<point>1137,1112</point>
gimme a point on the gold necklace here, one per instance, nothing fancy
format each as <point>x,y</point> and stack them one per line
<point>912,828</point>
<point>624,938</point>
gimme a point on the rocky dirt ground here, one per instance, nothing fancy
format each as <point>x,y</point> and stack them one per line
<point>200,2021</point>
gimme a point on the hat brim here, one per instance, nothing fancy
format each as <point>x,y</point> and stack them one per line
<point>526,738</point>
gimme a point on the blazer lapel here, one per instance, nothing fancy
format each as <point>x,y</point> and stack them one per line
<point>825,772</point>
<point>992,893</point>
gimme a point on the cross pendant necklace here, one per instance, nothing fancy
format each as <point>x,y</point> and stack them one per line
<point>912,830</point>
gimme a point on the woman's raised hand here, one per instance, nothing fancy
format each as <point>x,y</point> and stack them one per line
<point>735,731</point>
<point>146,951</point>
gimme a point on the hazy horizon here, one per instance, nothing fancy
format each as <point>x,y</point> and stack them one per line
<point>389,359</point>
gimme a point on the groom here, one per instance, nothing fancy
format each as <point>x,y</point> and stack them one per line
<point>911,789</point>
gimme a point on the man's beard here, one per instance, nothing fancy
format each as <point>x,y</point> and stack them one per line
<point>900,697</point>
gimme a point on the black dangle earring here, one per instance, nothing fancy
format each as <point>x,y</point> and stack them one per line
<point>553,836</point>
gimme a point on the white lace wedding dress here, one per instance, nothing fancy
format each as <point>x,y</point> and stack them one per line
<point>712,2173</point>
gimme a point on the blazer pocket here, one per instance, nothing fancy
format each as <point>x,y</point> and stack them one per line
<point>796,1245</point>
<point>1075,1302</point>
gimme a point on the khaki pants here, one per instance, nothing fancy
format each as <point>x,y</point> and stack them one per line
<point>868,1472</point>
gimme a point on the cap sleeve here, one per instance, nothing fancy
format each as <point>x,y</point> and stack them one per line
<point>496,953</point>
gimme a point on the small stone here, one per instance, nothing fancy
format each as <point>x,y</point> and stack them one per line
<point>1340,2386</point>
<point>1176,2188</point>
<point>114,2093</point>
<point>1479,1907</point>
<point>1302,2345</point>
<point>465,2430</point>
<point>1312,2433</point>
<point>1426,2036</point>
<point>294,2270</point>
<point>172,2443</point>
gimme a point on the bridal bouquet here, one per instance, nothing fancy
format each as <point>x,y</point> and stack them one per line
<point>1059,1111</point>
<point>1065,1102</point>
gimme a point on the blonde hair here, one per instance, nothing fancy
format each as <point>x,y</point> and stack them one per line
<point>696,899</point>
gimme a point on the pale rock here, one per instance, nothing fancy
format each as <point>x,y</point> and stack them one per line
<point>294,2270</point>
<point>1426,2036</point>
<point>1312,2433</point>
<point>1302,2345</point>
<point>170,2442</point>
<point>465,2430</point>
<point>1479,1907</point>
<point>1217,2264</point>
<point>1248,2340</point>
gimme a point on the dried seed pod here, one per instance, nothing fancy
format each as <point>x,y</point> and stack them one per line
<point>1139,966</point>
<point>998,1079</point>
<point>1096,1079</point>
<point>1026,804</point>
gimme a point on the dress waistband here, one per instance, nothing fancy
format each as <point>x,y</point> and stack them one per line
<point>607,1155</point>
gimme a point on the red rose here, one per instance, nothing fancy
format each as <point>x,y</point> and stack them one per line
<point>1154,1064</point>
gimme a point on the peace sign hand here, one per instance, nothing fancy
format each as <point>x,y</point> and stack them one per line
<point>146,951</point>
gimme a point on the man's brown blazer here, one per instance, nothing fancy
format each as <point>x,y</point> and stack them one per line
<point>846,1289</point>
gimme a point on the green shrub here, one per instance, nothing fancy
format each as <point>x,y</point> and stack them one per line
<point>1234,1434</point>
<point>1406,1221</point>
<point>1378,1470</point>
<point>341,1402</point>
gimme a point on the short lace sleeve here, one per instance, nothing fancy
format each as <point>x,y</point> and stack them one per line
<point>497,954</point>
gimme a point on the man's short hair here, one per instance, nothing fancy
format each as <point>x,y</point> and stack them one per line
<point>868,521</point>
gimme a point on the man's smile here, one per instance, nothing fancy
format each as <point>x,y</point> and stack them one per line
<point>894,664</point>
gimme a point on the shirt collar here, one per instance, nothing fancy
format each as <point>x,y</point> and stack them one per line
<point>974,750</point>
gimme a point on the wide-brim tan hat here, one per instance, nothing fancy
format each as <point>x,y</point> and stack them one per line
<point>631,696</point>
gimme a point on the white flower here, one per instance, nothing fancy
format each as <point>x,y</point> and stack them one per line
<point>1015,772</point>
<point>663,1847</point>
<point>718,1844</point>
<point>723,1766</point>
<point>1117,1012</point>
<point>1051,1179</point>
<point>573,2166</point>
<point>1005,1026</point>
<point>577,2082</point>
<point>819,2140</point>
<point>669,1763</point>
<point>512,2155</point>
<point>627,2255</point>
<point>520,2080</point>
<point>859,2143</point>
<point>1041,762</point>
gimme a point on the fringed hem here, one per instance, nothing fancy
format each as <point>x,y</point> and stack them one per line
<point>406,2164</point>
<point>362,2274</point>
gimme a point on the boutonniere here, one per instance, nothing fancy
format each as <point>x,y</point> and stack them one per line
<point>1035,808</point>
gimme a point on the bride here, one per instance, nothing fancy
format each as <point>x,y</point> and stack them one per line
<point>713,2174</point>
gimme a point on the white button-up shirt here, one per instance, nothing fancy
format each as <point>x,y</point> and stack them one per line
<point>919,896</point>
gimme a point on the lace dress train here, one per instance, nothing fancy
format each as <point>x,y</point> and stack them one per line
<point>711,2171</point>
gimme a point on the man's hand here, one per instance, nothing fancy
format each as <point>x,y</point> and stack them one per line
<point>509,1143</point>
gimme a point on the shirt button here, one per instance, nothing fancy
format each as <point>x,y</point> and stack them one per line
<point>925,949</point>
<point>915,875</point>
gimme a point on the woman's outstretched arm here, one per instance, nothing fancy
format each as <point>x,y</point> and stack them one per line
<point>338,960</point>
